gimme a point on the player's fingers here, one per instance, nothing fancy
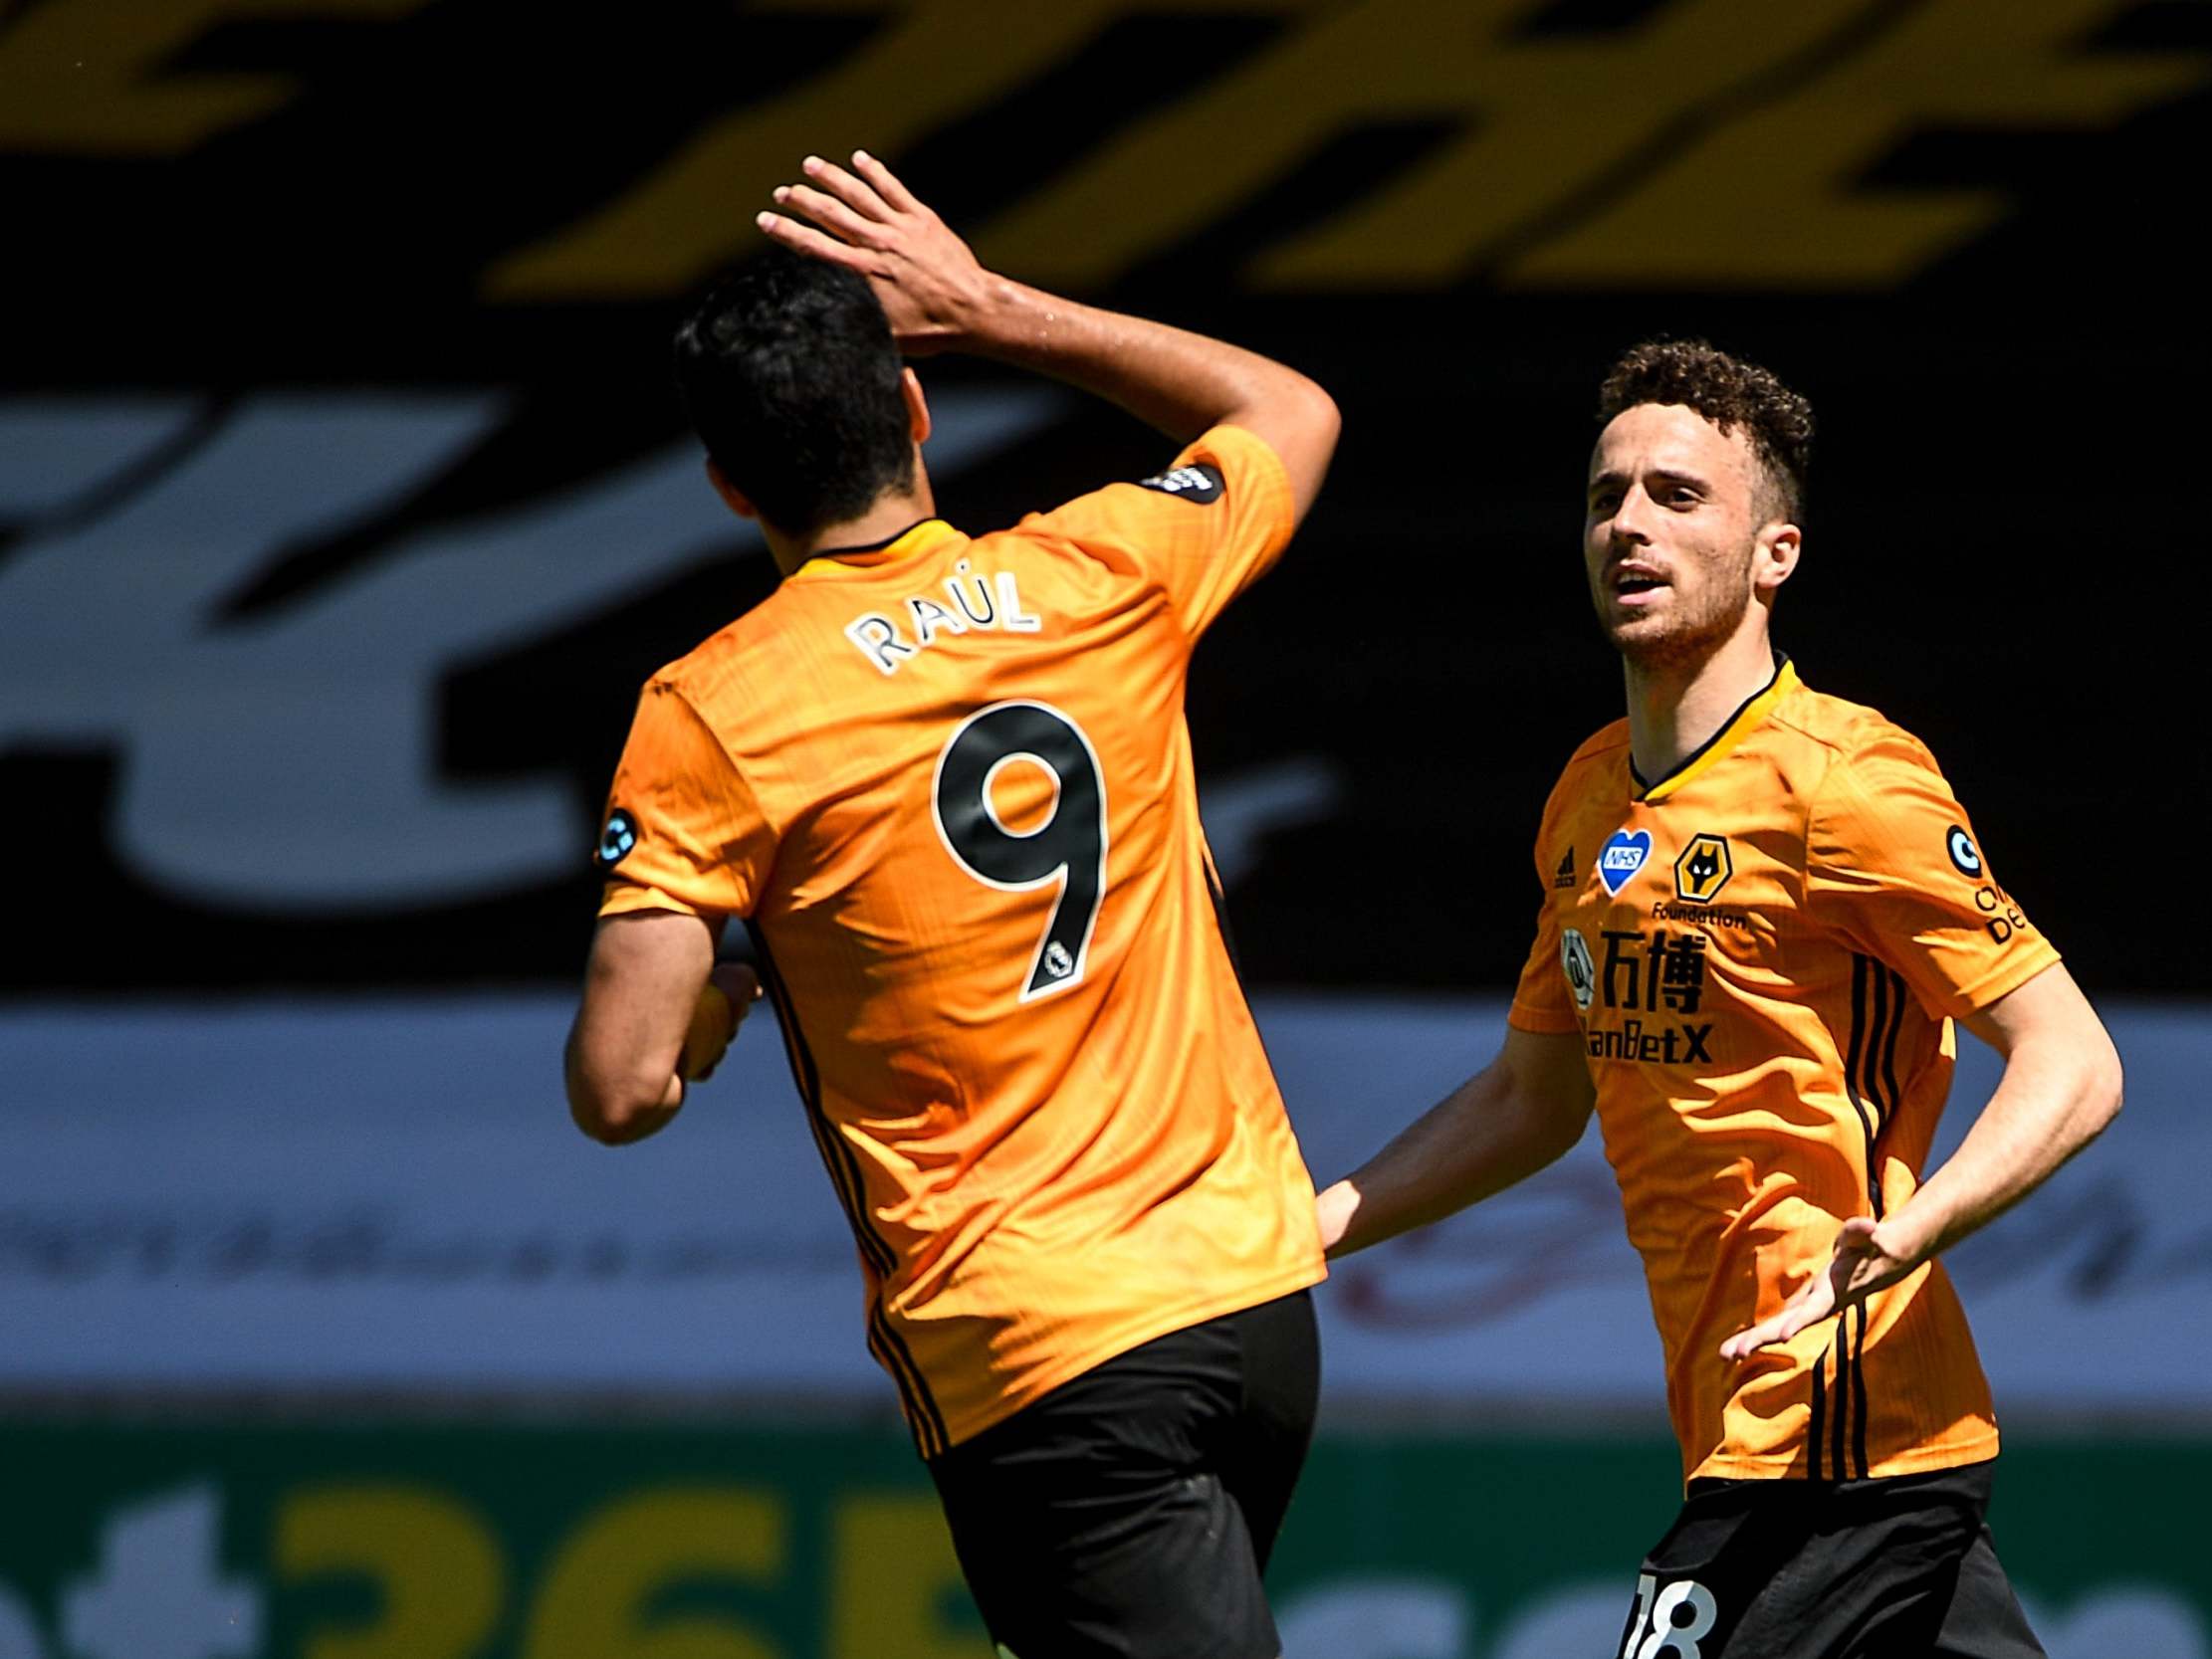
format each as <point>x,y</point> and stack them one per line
<point>1814,1301</point>
<point>805,238</point>
<point>856,193</point>
<point>828,211</point>
<point>1748,1341</point>
<point>1779,1328</point>
<point>885,182</point>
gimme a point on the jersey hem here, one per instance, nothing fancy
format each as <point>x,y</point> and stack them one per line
<point>626,897</point>
<point>1538,1023</point>
<point>1034,1385</point>
<point>1918,1460</point>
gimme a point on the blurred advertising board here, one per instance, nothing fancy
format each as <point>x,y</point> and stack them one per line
<point>746,1541</point>
<point>386,1197</point>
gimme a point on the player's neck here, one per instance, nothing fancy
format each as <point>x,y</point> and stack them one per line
<point>1676,708</point>
<point>890,514</point>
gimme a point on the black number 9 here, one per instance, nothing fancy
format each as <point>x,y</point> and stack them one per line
<point>1069,847</point>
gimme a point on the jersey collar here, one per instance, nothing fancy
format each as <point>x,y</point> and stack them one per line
<point>917,538</point>
<point>1715,748</point>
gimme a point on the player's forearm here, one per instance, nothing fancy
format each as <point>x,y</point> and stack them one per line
<point>627,1051</point>
<point>615,1105</point>
<point>2058,1093</point>
<point>1479,1140</point>
<point>1178,382</point>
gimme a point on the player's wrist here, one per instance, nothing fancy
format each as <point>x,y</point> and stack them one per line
<point>1014,322</point>
<point>713,1023</point>
<point>1908,1236</point>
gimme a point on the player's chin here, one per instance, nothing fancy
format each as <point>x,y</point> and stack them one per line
<point>1657,640</point>
<point>1634,633</point>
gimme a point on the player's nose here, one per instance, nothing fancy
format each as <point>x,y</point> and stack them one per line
<point>1632,520</point>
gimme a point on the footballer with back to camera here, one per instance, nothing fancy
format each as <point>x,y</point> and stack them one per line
<point>1762,911</point>
<point>946,784</point>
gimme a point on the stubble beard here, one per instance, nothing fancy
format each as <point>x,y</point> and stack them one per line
<point>1691,632</point>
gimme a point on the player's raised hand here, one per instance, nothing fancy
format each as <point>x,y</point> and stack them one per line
<point>724,1001</point>
<point>864,219</point>
<point>1860,1267</point>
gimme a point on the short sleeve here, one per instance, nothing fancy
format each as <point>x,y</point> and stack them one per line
<point>1893,864</point>
<point>1204,530</point>
<point>1543,1000</point>
<point>682,831</point>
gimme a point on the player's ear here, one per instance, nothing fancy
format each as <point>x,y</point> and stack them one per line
<point>917,406</point>
<point>1774,559</point>
<point>735,498</point>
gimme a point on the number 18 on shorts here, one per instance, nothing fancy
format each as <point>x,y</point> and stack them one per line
<point>1669,1620</point>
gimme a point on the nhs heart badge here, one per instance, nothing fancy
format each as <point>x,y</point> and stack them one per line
<point>1623,857</point>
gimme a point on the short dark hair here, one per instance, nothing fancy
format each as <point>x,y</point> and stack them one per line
<point>790,377</point>
<point>1730,393</point>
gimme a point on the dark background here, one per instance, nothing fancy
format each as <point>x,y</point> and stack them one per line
<point>2003,536</point>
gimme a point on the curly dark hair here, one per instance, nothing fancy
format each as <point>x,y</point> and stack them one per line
<point>1730,393</point>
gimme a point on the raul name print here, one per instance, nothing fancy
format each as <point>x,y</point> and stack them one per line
<point>972,603</point>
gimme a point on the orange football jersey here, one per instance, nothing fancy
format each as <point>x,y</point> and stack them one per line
<point>948,783</point>
<point>1762,955</point>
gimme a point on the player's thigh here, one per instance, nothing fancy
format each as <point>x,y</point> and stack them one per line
<point>1785,1570</point>
<point>1096,1521</point>
<point>1279,1384</point>
<point>1697,1585</point>
<point>1984,1621</point>
<point>1172,1577</point>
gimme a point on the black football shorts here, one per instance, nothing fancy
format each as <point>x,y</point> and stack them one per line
<point>1894,1569</point>
<point>1129,1512</point>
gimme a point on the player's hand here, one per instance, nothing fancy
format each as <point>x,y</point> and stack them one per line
<point>1865,1262</point>
<point>1333,1208</point>
<point>724,1000</point>
<point>865,220</point>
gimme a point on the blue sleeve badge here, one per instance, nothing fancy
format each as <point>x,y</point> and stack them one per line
<point>1966,858</point>
<point>616,840</point>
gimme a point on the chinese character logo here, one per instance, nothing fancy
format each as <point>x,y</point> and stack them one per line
<point>1703,870</point>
